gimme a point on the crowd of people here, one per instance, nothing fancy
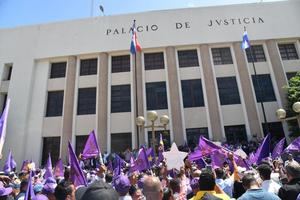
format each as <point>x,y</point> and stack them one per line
<point>269,179</point>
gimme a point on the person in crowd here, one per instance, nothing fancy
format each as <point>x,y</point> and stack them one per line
<point>253,191</point>
<point>23,188</point>
<point>269,185</point>
<point>65,191</point>
<point>152,188</point>
<point>290,160</point>
<point>122,186</point>
<point>291,190</point>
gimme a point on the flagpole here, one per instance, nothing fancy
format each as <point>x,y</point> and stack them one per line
<point>136,101</point>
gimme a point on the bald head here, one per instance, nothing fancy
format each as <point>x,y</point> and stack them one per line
<point>152,188</point>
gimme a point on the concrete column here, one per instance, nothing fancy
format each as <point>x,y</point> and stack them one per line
<point>102,92</point>
<point>278,70</point>
<point>211,93</point>
<point>68,107</point>
<point>247,88</point>
<point>174,96</point>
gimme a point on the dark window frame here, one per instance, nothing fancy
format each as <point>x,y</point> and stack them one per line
<point>121,146</point>
<point>88,67</point>
<point>58,70</point>
<point>120,63</point>
<point>154,61</point>
<point>158,98</point>
<point>258,54</point>
<point>55,105</point>
<point>80,141</point>
<point>288,51</point>
<point>264,93</point>
<point>233,133</point>
<point>222,56</point>
<point>86,104</point>
<point>228,90</point>
<point>122,101</point>
<point>192,93</point>
<point>54,149</point>
<point>188,58</point>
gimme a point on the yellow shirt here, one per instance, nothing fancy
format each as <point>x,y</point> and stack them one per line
<point>200,194</point>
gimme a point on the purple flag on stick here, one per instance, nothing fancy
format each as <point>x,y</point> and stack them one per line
<point>3,122</point>
<point>278,149</point>
<point>29,191</point>
<point>110,166</point>
<point>294,146</point>
<point>48,167</point>
<point>251,158</point>
<point>207,147</point>
<point>91,148</point>
<point>218,158</point>
<point>150,156</point>
<point>13,163</point>
<point>141,163</point>
<point>264,149</point>
<point>76,174</point>
<point>59,169</point>
<point>200,163</point>
<point>196,155</point>
<point>7,166</point>
<point>25,165</point>
<point>119,162</point>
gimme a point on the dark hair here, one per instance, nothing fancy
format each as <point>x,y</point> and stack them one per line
<point>248,180</point>
<point>265,171</point>
<point>175,185</point>
<point>293,170</point>
<point>62,190</point>
<point>23,186</point>
<point>219,173</point>
<point>167,194</point>
<point>206,181</point>
<point>132,190</point>
<point>67,173</point>
<point>108,178</point>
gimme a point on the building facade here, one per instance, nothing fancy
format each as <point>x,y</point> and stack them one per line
<point>65,79</point>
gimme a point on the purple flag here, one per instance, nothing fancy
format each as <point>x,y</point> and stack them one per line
<point>141,163</point>
<point>207,147</point>
<point>196,155</point>
<point>264,149</point>
<point>25,165</point>
<point>110,166</point>
<point>7,166</point>
<point>278,149</point>
<point>3,122</point>
<point>13,163</point>
<point>29,191</point>
<point>48,168</point>
<point>119,162</point>
<point>160,157</point>
<point>251,158</point>
<point>218,158</point>
<point>294,146</point>
<point>91,148</point>
<point>200,163</point>
<point>150,156</point>
<point>76,174</point>
<point>59,169</point>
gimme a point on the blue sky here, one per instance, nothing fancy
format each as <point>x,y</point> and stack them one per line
<point>25,12</point>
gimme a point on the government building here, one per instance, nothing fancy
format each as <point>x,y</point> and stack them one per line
<point>65,79</point>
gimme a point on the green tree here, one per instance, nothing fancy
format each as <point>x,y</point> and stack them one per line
<point>293,95</point>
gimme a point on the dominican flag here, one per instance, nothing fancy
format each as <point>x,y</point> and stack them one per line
<point>245,42</point>
<point>134,46</point>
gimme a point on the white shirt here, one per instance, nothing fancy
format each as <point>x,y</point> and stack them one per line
<point>270,186</point>
<point>226,185</point>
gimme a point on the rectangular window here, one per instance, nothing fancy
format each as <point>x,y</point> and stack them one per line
<point>290,75</point>
<point>221,56</point>
<point>228,91</point>
<point>86,101</point>
<point>288,51</point>
<point>80,143</point>
<point>236,134</point>
<point>120,63</point>
<point>55,103</point>
<point>154,61</point>
<point>51,145</point>
<point>193,135</point>
<point>120,142</point>
<point>58,70</point>
<point>276,130</point>
<point>9,72</point>
<point>156,96</point>
<point>120,98</point>
<point>258,54</point>
<point>263,88</point>
<point>88,67</point>
<point>192,93</point>
<point>188,58</point>
<point>165,136</point>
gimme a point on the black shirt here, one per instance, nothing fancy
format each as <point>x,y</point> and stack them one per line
<point>291,190</point>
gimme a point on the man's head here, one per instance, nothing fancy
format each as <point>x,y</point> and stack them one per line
<point>122,185</point>
<point>65,191</point>
<point>175,185</point>
<point>23,186</point>
<point>264,171</point>
<point>219,173</point>
<point>206,181</point>
<point>290,157</point>
<point>248,181</point>
<point>292,171</point>
<point>152,188</point>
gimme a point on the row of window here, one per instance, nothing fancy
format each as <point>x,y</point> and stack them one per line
<point>156,95</point>
<point>186,58</point>
<point>122,141</point>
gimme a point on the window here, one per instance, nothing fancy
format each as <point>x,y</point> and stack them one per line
<point>265,92</point>
<point>165,136</point>
<point>276,130</point>
<point>120,98</point>
<point>188,58</point>
<point>290,75</point>
<point>192,93</point>
<point>235,134</point>
<point>86,101</point>
<point>55,103</point>
<point>221,56</point>
<point>58,70</point>
<point>120,63</point>
<point>288,51</point>
<point>88,67</point>
<point>120,142</point>
<point>51,145</point>
<point>228,91</point>
<point>154,61</point>
<point>156,96</point>
<point>80,143</point>
<point>193,135</point>
<point>257,53</point>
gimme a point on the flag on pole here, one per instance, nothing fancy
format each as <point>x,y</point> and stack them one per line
<point>141,163</point>
<point>76,173</point>
<point>48,168</point>
<point>134,46</point>
<point>263,150</point>
<point>91,148</point>
<point>29,191</point>
<point>150,156</point>
<point>3,123</point>
<point>294,146</point>
<point>7,166</point>
<point>278,149</point>
<point>59,169</point>
<point>245,42</point>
